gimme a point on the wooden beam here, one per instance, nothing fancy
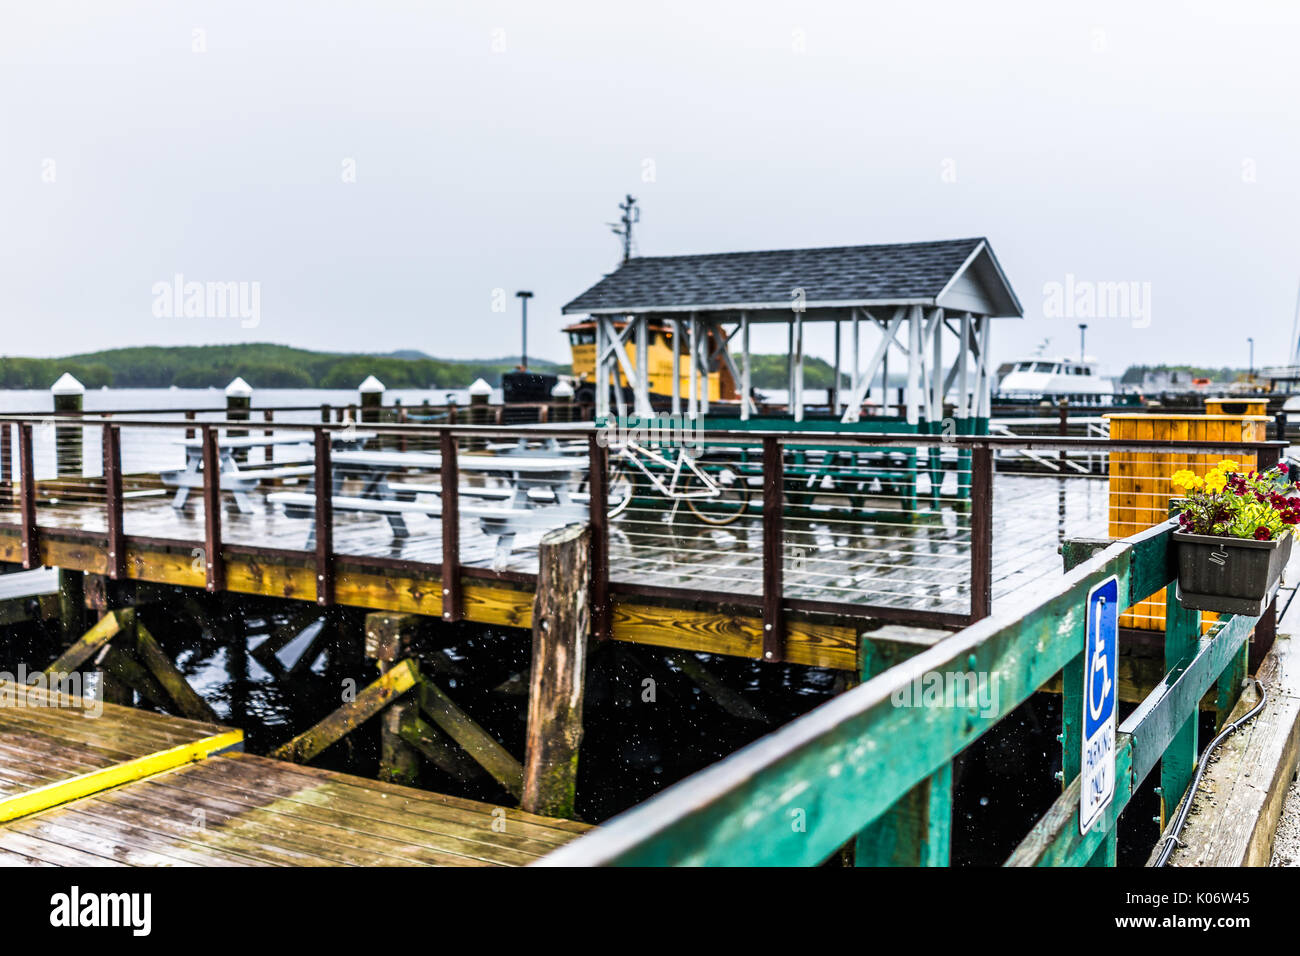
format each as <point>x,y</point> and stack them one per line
<point>94,640</point>
<point>182,695</point>
<point>437,748</point>
<point>557,678</point>
<point>476,742</point>
<point>813,640</point>
<point>370,701</point>
<point>729,700</point>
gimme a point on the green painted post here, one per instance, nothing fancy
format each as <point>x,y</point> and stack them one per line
<point>1182,633</point>
<point>917,829</point>
<point>1107,852</point>
<point>1229,686</point>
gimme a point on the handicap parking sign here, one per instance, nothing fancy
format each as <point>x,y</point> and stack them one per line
<point>1100,692</point>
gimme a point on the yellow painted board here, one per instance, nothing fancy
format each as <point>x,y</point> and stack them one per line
<point>94,781</point>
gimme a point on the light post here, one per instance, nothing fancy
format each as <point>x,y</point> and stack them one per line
<point>523,349</point>
<point>1083,327</point>
<point>1252,357</point>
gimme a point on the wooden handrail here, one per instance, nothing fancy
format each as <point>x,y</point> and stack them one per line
<point>854,757</point>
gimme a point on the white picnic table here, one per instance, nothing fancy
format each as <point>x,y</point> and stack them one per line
<point>539,494</point>
<point>239,480</point>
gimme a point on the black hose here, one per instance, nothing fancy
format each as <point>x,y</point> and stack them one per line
<point>1171,834</point>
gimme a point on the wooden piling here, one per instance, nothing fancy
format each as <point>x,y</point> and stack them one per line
<point>239,401</point>
<point>69,396</point>
<point>560,625</point>
<point>389,639</point>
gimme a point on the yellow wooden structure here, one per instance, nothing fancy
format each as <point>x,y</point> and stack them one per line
<point>1140,491</point>
<point>1245,405</point>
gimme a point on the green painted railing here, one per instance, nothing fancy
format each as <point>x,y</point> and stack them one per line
<point>863,768</point>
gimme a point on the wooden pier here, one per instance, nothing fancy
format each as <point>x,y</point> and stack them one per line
<point>83,783</point>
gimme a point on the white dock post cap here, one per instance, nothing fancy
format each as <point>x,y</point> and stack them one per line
<point>238,388</point>
<point>67,385</point>
<point>562,389</point>
<point>370,386</point>
<point>480,387</point>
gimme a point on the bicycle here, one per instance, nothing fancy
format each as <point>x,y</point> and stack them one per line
<point>719,501</point>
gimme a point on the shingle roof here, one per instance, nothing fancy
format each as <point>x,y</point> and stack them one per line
<point>842,274</point>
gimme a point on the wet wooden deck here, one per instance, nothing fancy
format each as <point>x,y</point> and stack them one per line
<point>89,784</point>
<point>893,559</point>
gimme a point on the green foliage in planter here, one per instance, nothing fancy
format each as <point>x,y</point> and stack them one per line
<point>1237,504</point>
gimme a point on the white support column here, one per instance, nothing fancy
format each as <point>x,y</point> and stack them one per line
<point>914,366</point>
<point>982,398</point>
<point>936,374</point>
<point>641,388</point>
<point>834,395</point>
<point>602,370</point>
<point>880,359</point>
<point>789,366</point>
<point>857,344</point>
<point>798,366</point>
<point>963,359</point>
<point>677,367</point>
<point>745,400</point>
<point>693,405</point>
<point>703,357</point>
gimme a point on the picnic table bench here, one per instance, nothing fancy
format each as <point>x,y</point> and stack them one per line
<point>237,480</point>
<point>538,496</point>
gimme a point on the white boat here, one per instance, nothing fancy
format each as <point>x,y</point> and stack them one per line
<point>1049,380</point>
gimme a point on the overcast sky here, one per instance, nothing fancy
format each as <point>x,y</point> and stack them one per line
<point>380,169</point>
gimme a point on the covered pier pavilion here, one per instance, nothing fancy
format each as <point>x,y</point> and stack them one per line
<point>930,304</point>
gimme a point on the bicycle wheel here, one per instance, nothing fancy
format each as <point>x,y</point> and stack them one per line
<point>727,505</point>
<point>620,489</point>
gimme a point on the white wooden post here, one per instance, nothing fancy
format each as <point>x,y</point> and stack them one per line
<point>744,368</point>
<point>963,359</point>
<point>642,387</point>
<point>693,405</point>
<point>677,366</point>
<point>834,395</point>
<point>913,365</point>
<point>798,366</point>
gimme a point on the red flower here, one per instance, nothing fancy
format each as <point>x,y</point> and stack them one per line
<point>1263,534</point>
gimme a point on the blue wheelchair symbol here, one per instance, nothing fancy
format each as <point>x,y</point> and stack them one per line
<point>1102,657</point>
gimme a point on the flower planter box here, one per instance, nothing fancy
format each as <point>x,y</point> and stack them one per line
<point>1229,575</point>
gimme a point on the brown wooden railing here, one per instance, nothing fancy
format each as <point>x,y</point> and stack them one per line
<point>777,452</point>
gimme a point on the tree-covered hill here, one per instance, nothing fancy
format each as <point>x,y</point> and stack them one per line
<point>264,365</point>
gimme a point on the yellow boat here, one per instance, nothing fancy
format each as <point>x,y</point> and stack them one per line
<point>659,363</point>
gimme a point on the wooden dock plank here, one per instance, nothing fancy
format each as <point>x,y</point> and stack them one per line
<point>237,809</point>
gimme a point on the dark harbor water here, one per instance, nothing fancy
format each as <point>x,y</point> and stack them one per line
<point>647,725</point>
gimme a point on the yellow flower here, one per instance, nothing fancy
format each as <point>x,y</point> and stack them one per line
<point>1216,480</point>
<point>1227,465</point>
<point>1182,480</point>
